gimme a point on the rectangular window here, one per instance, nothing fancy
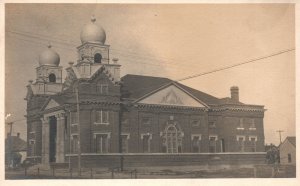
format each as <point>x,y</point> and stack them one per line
<point>124,138</point>
<point>146,138</point>
<point>212,124</point>
<point>252,125</point>
<point>195,123</point>
<point>196,143</point>
<point>241,143</point>
<point>102,88</point>
<point>74,118</point>
<point>146,120</point>
<point>74,143</point>
<point>222,145</point>
<point>101,143</point>
<point>102,117</point>
<point>213,144</point>
<point>289,158</point>
<point>241,124</point>
<point>252,140</point>
<point>32,147</point>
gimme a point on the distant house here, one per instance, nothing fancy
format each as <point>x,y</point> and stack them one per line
<point>288,151</point>
<point>15,150</point>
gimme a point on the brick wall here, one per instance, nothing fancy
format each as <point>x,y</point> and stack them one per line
<point>142,160</point>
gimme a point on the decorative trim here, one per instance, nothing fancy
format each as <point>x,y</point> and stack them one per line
<point>146,134</point>
<point>196,135</point>
<point>126,134</point>
<point>240,136</point>
<point>252,137</point>
<point>216,136</point>
<point>102,133</point>
<point>154,106</point>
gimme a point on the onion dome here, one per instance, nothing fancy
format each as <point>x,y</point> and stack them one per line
<point>92,32</point>
<point>49,57</point>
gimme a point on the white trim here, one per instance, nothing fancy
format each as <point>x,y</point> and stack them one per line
<point>196,135</point>
<point>101,133</point>
<point>252,128</point>
<point>240,128</point>
<point>126,134</point>
<point>74,134</point>
<point>216,136</point>
<point>252,137</point>
<point>146,134</point>
<point>240,136</point>
<point>167,85</point>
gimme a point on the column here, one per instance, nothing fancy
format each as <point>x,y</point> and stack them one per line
<point>60,140</point>
<point>45,140</point>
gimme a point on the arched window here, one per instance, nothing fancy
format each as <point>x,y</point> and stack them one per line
<point>172,140</point>
<point>52,78</point>
<point>97,58</point>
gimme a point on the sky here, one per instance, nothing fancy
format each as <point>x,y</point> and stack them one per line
<point>171,41</point>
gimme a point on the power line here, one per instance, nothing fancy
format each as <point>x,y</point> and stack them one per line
<point>235,65</point>
<point>74,45</point>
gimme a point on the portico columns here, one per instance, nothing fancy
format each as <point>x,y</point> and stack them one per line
<point>60,138</point>
<point>45,140</point>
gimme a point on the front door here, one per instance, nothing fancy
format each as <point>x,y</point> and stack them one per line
<point>52,139</point>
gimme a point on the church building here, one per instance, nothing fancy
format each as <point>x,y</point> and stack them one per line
<point>103,116</point>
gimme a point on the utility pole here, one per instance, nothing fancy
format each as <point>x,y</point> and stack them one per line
<point>78,129</point>
<point>120,126</point>
<point>10,142</point>
<point>280,131</point>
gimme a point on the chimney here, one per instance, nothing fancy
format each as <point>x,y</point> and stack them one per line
<point>234,93</point>
<point>18,135</point>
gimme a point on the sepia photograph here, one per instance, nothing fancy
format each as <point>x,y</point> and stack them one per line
<point>149,91</point>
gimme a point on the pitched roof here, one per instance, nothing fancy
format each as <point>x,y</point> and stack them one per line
<point>17,144</point>
<point>137,86</point>
<point>292,140</point>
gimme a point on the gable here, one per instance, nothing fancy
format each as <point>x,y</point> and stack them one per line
<point>51,104</point>
<point>172,95</point>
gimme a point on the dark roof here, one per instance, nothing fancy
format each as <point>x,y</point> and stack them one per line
<point>137,86</point>
<point>229,101</point>
<point>292,140</point>
<point>17,144</point>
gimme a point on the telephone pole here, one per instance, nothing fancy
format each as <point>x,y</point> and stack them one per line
<point>10,142</point>
<point>280,131</point>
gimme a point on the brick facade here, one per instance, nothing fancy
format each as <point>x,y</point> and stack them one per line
<point>132,114</point>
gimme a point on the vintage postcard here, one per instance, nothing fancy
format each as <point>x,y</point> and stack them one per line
<point>170,92</point>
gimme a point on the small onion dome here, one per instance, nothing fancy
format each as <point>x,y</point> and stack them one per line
<point>92,33</point>
<point>49,57</point>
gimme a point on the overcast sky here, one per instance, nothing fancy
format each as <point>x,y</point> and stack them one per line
<point>171,41</point>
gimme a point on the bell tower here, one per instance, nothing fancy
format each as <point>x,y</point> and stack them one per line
<point>93,53</point>
<point>93,49</point>
<point>49,73</point>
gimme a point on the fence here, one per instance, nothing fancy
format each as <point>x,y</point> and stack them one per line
<point>257,171</point>
<point>85,173</point>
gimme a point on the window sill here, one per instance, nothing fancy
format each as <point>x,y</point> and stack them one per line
<point>252,128</point>
<point>240,128</point>
<point>101,123</point>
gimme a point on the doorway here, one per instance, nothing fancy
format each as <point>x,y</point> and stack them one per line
<point>52,138</point>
